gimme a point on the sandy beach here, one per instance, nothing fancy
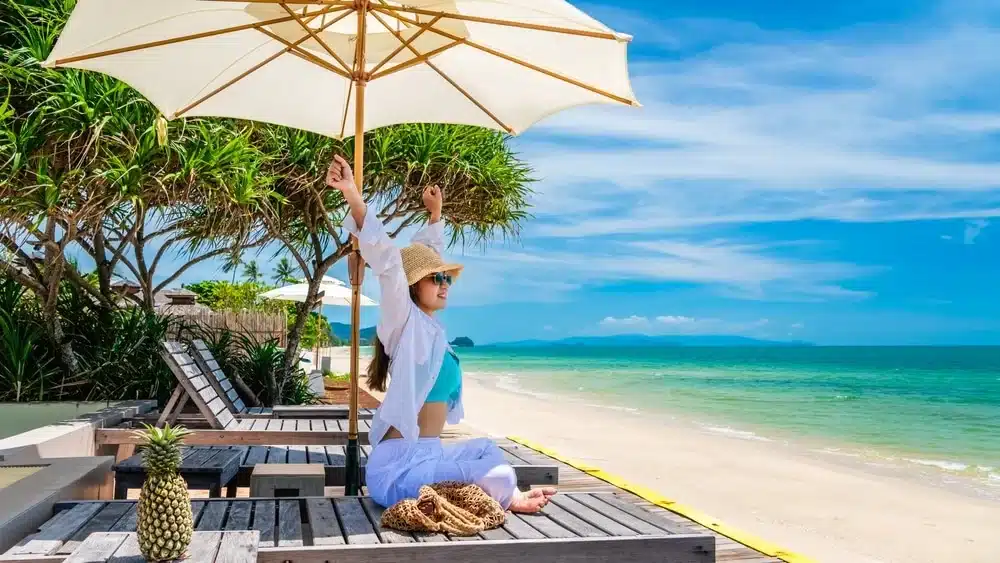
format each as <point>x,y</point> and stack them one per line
<point>821,508</point>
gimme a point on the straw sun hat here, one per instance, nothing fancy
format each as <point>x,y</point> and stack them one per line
<point>420,261</point>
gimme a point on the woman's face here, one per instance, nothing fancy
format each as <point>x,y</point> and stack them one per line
<point>432,292</point>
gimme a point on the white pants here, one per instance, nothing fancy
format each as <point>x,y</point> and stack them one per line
<point>396,469</point>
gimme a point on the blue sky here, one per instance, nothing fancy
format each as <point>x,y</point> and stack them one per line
<point>817,171</point>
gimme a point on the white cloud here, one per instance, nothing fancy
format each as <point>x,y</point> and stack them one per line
<point>680,324</point>
<point>857,125</point>
<point>973,229</point>
<point>633,321</point>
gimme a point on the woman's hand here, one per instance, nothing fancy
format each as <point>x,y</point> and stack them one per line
<point>433,201</point>
<point>341,177</point>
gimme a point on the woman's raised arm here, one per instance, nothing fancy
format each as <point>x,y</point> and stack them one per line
<point>378,251</point>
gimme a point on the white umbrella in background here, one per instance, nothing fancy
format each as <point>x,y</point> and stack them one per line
<point>332,292</point>
<point>342,67</point>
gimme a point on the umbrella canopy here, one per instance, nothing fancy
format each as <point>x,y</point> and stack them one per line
<point>335,292</point>
<point>341,67</point>
<point>498,64</point>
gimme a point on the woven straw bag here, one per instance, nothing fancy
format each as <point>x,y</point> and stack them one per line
<point>459,509</point>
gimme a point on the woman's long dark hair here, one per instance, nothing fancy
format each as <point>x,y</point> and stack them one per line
<point>378,369</point>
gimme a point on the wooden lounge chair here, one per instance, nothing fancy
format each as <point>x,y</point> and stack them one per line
<point>578,527</point>
<point>205,360</point>
<point>228,430</point>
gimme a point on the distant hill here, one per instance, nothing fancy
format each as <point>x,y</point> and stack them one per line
<point>463,342</point>
<point>642,340</point>
<point>343,332</point>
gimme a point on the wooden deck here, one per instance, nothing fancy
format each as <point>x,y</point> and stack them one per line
<point>572,480</point>
<point>572,523</point>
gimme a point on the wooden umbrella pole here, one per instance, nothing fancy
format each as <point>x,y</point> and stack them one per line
<point>357,264</point>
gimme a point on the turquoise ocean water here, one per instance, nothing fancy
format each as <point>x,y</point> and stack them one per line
<point>936,408</point>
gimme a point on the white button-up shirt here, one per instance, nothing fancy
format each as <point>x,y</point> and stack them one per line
<point>415,342</point>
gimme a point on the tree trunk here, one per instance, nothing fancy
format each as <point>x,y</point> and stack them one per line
<point>302,311</point>
<point>65,347</point>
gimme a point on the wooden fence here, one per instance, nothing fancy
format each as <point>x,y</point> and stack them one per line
<point>260,326</point>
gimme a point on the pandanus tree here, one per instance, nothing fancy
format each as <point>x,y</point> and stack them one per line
<point>486,192</point>
<point>89,170</point>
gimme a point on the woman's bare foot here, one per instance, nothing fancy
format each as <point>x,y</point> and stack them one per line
<point>531,501</point>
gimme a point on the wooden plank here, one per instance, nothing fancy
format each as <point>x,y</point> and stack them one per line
<point>239,515</point>
<point>336,456</point>
<point>257,454</point>
<point>263,521</point>
<point>127,523</point>
<point>274,425</point>
<point>49,539</point>
<point>204,546</point>
<point>642,514</point>
<point>277,454</point>
<point>520,529</point>
<point>297,454</point>
<point>326,529</point>
<point>212,516</point>
<point>547,526</point>
<point>496,534</point>
<point>238,547</point>
<point>387,535</point>
<point>196,507</point>
<point>591,516</point>
<point>316,454</point>
<point>216,404</point>
<point>102,522</point>
<point>226,418</point>
<point>200,384</point>
<point>260,424</point>
<point>245,424</point>
<point>97,548</point>
<point>639,525</point>
<point>289,523</point>
<point>128,552</point>
<point>354,521</point>
<point>676,549</point>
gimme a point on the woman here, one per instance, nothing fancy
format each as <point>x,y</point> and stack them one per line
<point>426,388</point>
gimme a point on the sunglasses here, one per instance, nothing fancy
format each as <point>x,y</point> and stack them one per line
<point>441,278</point>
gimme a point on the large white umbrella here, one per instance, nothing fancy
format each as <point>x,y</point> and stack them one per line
<point>340,67</point>
<point>334,291</point>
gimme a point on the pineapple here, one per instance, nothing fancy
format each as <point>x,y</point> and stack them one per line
<point>164,523</point>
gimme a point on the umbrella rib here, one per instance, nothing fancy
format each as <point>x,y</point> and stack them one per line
<point>305,55</point>
<point>181,39</point>
<point>511,23</point>
<point>253,69</point>
<point>390,11</point>
<point>406,43</point>
<point>316,36</point>
<point>441,73</point>
<point>417,60</point>
<point>347,108</point>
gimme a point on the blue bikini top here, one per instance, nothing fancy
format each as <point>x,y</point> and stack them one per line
<point>448,385</point>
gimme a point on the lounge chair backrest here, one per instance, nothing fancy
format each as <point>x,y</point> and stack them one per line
<point>199,390</point>
<point>206,361</point>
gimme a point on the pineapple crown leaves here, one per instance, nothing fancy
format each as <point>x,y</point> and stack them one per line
<point>161,452</point>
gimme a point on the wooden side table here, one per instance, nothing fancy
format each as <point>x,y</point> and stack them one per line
<point>287,480</point>
<point>201,468</point>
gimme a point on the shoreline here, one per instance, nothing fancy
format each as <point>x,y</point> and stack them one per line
<point>960,476</point>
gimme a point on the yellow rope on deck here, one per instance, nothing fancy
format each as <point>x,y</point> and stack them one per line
<point>691,513</point>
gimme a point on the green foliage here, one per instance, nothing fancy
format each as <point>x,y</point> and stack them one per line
<point>261,366</point>
<point>119,361</point>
